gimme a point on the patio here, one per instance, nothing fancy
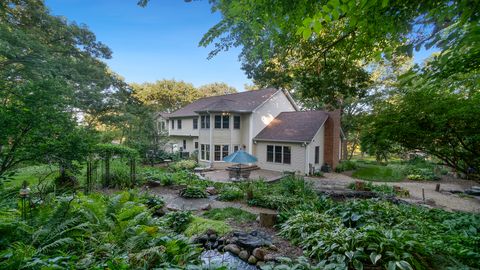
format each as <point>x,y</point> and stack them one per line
<point>223,176</point>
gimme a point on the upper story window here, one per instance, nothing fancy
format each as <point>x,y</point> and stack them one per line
<point>226,121</point>
<point>205,121</point>
<point>222,121</point>
<point>195,123</point>
<point>179,124</point>
<point>279,154</point>
<point>173,124</point>
<point>236,122</point>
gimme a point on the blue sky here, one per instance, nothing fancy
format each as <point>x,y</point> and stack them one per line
<point>159,41</point>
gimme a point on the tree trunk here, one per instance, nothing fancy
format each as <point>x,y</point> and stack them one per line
<point>267,220</point>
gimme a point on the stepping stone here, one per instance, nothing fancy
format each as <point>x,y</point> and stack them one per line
<point>182,204</point>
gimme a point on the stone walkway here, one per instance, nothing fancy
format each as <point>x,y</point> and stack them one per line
<point>175,203</point>
<point>443,199</point>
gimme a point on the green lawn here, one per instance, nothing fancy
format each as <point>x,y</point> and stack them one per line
<point>32,174</point>
<point>379,173</point>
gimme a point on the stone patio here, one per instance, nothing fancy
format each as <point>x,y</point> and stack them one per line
<point>222,175</point>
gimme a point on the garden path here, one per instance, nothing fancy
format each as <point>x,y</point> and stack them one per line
<point>443,199</point>
<point>173,201</point>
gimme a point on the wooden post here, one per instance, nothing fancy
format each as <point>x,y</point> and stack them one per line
<point>267,220</point>
<point>437,188</point>
<point>423,194</point>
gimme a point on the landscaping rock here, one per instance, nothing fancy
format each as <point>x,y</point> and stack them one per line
<point>259,253</point>
<point>252,259</point>
<point>211,190</point>
<point>273,247</point>
<point>153,183</point>
<point>244,255</point>
<point>221,247</point>
<point>267,219</point>
<point>260,264</point>
<point>232,248</point>
<point>206,207</point>
<point>252,240</point>
<point>269,257</point>
<point>475,191</point>
<point>202,239</point>
<point>212,237</point>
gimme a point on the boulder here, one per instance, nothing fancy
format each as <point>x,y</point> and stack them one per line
<point>206,207</point>
<point>244,255</point>
<point>211,190</point>
<point>153,183</point>
<point>259,253</point>
<point>252,259</point>
<point>260,264</point>
<point>273,247</point>
<point>202,239</point>
<point>252,240</point>
<point>232,248</point>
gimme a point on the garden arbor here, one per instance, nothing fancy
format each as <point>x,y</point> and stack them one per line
<point>104,153</point>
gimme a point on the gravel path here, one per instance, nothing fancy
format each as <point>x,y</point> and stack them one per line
<point>443,199</point>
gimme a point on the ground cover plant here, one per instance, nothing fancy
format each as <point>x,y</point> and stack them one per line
<point>362,233</point>
<point>230,213</point>
<point>90,231</point>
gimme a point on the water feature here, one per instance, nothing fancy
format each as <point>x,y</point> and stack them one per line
<point>214,258</point>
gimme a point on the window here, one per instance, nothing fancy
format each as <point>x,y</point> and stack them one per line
<point>173,124</point>
<point>220,151</point>
<point>279,154</point>
<point>236,122</point>
<point>195,123</point>
<point>286,155</point>
<point>196,145</point>
<point>235,148</point>
<point>179,124</point>
<point>222,121</point>
<point>226,122</point>
<point>269,153</point>
<point>224,151</point>
<point>184,144</point>
<point>217,153</point>
<point>218,121</point>
<point>317,154</point>
<point>205,152</point>
<point>162,125</point>
<point>205,121</point>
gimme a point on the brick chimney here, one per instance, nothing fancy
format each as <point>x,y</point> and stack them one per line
<point>332,139</point>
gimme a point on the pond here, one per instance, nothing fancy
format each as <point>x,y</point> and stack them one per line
<point>213,258</point>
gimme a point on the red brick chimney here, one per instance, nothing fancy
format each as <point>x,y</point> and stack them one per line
<point>332,139</point>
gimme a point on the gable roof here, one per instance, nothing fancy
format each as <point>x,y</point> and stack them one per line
<point>238,102</point>
<point>293,126</point>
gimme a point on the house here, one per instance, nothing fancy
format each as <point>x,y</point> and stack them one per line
<point>266,123</point>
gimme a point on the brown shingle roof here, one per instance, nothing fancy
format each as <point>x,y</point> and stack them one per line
<point>239,102</point>
<point>293,126</point>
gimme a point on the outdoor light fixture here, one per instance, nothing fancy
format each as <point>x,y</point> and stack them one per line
<point>24,197</point>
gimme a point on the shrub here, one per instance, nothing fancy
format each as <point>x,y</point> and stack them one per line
<point>178,221</point>
<point>152,201</point>
<point>230,193</point>
<point>346,165</point>
<point>193,192</point>
<point>236,214</point>
<point>184,164</point>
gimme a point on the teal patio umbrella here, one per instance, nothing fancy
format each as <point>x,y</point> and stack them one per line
<point>240,157</point>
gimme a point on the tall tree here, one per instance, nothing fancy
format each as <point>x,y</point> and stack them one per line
<point>216,89</point>
<point>166,95</point>
<point>49,72</point>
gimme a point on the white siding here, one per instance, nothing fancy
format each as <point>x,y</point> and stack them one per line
<point>318,140</point>
<point>187,127</point>
<point>264,114</point>
<point>297,157</point>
